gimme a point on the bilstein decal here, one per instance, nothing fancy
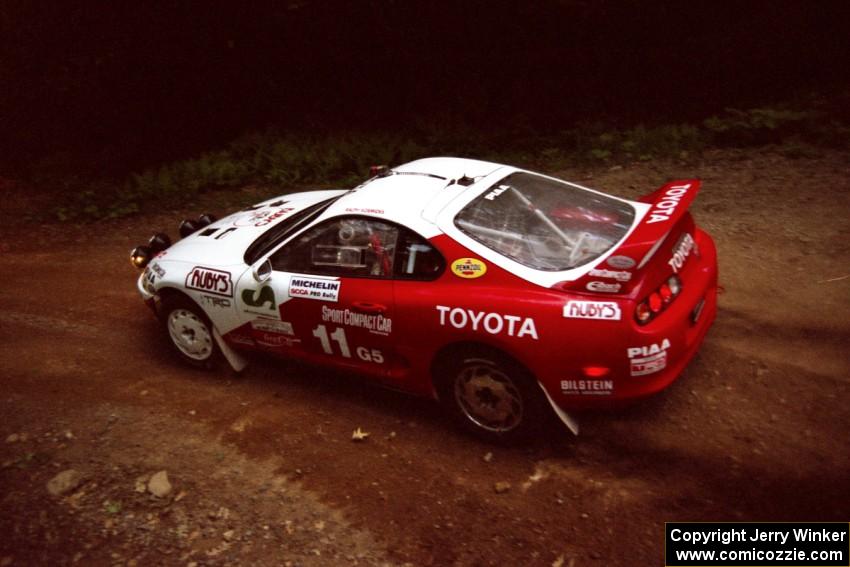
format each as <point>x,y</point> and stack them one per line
<point>469,268</point>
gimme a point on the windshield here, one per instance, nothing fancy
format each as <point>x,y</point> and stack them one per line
<point>279,232</point>
<point>545,224</point>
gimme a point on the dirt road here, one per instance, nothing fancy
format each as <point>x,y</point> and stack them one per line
<point>262,469</point>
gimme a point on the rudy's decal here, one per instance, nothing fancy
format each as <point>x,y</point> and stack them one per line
<point>681,251</point>
<point>493,323</point>
<point>271,326</point>
<point>210,281</point>
<point>377,324</point>
<point>648,359</point>
<point>262,298</point>
<point>619,276</point>
<point>603,310</point>
<point>604,287</point>
<point>664,207</point>
<point>213,301</point>
<point>314,288</point>
<point>469,268</point>
<point>587,387</point>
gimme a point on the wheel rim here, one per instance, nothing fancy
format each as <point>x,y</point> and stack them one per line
<point>190,334</point>
<point>488,397</point>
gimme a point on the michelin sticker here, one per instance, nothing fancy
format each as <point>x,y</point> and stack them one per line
<point>314,288</point>
<point>602,310</point>
<point>648,359</point>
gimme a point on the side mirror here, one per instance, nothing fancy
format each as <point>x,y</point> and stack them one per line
<point>263,271</point>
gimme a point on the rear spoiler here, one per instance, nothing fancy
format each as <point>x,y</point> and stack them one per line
<point>667,205</point>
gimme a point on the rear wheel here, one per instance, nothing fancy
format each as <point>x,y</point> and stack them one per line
<point>190,332</point>
<point>491,396</point>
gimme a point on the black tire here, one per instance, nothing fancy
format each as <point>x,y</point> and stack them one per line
<point>189,332</point>
<point>490,395</point>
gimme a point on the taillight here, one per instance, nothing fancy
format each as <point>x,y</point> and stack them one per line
<point>658,300</point>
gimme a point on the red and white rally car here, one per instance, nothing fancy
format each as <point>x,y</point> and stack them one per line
<point>503,293</point>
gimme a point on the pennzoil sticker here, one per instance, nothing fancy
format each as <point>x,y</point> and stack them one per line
<point>469,268</point>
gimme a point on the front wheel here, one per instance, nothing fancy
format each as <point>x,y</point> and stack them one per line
<point>491,396</point>
<point>190,332</point>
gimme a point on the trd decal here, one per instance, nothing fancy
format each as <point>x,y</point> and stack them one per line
<point>264,298</point>
<point>211,281</point>
<point>604,310</point>
<point>377,324</point>
<point>493,323</point>
<point>314,288</point>
<point>214,301</point>
<point>663,209</point>
<point>587,387</point>
<point>469,268</point>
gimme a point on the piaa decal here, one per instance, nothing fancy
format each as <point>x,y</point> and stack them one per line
<point>469,268</point>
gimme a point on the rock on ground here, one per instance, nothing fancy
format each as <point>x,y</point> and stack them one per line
<point>64,482</point>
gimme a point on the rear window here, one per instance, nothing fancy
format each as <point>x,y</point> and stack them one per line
<point>545,224</point>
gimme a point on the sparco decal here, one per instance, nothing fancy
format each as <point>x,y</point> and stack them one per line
<point>273,217</point>
<point>664,207</point>
<point>604,310</point>
<point>621,262</point>
<point>469,268</point>
<point>211,281</point>
<point>263,298</point>
<point>587,387</point>
<point>619,276</point>
<point>314,288</point>
<point>648,359</point>
<point>604,287</point>
<point>377,324</point>
<point>493,323</point>
<point>681,252</point>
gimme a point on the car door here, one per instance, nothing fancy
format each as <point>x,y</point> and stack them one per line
<point>329,299</point>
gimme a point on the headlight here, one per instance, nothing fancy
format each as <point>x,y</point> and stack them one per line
<point>140,256</point>
<point>159,242</point>
<point>187,227</point>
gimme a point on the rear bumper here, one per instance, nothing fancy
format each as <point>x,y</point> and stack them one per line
<point>643,360</point>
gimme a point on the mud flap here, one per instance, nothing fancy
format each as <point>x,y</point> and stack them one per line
<point>565,418</point>
<point>237,362</point>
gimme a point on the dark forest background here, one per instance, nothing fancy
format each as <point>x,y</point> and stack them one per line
<point>119,87</point>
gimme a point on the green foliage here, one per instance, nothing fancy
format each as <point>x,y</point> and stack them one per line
<point>343,160</point>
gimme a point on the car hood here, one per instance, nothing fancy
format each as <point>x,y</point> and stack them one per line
<point>223,243</point>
